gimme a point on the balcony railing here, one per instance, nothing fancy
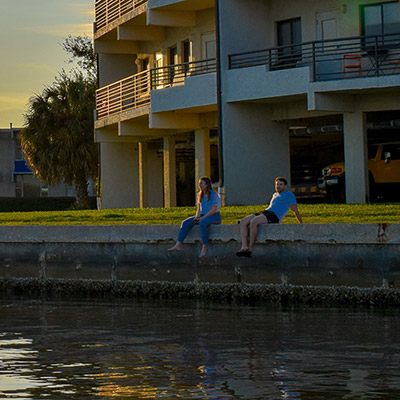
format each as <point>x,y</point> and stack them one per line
<point>174,75</point>
<point>134,92</point>
<point>126,94</point>
<point>330,59</point>
<point>107,11</point>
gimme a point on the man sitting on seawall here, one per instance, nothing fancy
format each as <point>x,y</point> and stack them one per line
<point>278,207</point>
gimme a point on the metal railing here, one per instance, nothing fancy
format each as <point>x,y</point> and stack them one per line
<point>129,93</point>
<point>330,59</point>
<point>107,11</point>
<point>174,75</point>
<point>134,92</point>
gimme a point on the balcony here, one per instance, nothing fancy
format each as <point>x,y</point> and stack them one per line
<point>129,93</point>
<point>107,11</point>
<point>134,92</point>
<point>354,57</point>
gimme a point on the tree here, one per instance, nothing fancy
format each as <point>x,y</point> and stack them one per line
<point>58,134</point>
<point>82,51</point>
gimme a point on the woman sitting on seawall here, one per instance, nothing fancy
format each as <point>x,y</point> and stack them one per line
<point>208,205</point>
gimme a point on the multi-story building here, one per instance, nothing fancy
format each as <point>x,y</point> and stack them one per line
<point>295,82</point>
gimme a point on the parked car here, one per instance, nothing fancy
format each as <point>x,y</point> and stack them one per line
<point>304,183</point>
<point>384,174</point>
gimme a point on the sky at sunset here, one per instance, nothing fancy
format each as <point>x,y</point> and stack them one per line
<point>31,33</point>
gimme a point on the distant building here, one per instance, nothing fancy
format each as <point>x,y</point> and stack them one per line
<point>16,177</point>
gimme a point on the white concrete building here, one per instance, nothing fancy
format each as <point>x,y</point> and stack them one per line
<point>286,69</point>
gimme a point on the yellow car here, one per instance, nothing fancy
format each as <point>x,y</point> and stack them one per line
<point>384,173</point>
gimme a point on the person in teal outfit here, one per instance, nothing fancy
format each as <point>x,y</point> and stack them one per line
<point>282,200</point>
<point>208,206</point>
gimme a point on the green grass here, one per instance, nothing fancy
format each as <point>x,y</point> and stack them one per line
<point>311,213</point>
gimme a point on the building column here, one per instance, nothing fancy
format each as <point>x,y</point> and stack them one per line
<point>355,157</point>
<point>143,176</point>
<point>256,151</point>
<point>119,175</point>
<point>169,171</point>
<point>202,154</point>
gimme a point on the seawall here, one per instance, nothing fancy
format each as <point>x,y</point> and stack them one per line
<point>333,255</point>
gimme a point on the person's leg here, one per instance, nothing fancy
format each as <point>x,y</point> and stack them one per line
<point>254,224</point>
<point>204,223</point>
<point>186,225</point>
<point>244,232</point>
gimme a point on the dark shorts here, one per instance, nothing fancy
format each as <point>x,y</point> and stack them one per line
<point>270,215</point>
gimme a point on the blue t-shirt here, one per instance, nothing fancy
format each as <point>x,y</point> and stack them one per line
<point>205,206</point>
<point>281,202</point>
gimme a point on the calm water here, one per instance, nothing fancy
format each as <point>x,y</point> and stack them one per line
<point>154,350</point>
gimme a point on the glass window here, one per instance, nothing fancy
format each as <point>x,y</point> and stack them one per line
<point>381,19</point>
<point>289,34</point>
<point>393,149</point>
<point>19,186</point>
<point>19,154</point>
<point>186,51</point>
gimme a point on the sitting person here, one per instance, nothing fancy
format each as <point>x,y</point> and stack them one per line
<point>208,205</point>
<point>279,206</point>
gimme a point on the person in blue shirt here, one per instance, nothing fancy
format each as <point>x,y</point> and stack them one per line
<point>208,206</point>
<point>282,200</point>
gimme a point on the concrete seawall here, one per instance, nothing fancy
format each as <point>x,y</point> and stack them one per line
<point>362,255</point>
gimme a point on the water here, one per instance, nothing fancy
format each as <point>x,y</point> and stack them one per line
<point>157,350</point>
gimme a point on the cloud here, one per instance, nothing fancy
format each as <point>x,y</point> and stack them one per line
<point>31,67</point>
<point>14,99</point>
<point>83,9</point>
<point>62,30</point>
<point>12,108</point>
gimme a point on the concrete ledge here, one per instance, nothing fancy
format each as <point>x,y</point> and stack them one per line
<point>306,233</point>
<point>364,255</point>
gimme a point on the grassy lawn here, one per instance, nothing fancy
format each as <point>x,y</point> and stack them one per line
<point>311,213</point>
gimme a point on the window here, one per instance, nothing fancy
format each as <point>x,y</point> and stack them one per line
<point>172,60</point>
<point>393,150</point>
<point>289,34</point>
<point>157,73</point>
<point>19,186</point>
<point>381,19</point>
<point>19,154</point>
<point>186,54</point>
<point>186,51</point>
<point>173,55</point>
<point>44,191</point>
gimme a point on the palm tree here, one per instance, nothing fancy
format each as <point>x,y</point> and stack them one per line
<point>58,134</point>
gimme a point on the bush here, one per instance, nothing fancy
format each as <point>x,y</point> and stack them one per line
<point>12,204</point>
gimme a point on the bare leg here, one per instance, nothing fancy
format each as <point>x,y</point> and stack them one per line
<point>203,251</point>
<point>244,232</point>
<point>176,247</point>
<point>254,224</point>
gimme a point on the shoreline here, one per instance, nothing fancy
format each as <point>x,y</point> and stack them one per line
<point>234,293</point>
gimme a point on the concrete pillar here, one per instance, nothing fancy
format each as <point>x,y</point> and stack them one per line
<point>143,175</point>
<point>202,154</point>
<point>355,157</point>
<point>119,175</point>
<point>150,175</point>
<point>256,151</point>
<point>169,171</point>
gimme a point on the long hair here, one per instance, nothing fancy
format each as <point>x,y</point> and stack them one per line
<point>208,183</point>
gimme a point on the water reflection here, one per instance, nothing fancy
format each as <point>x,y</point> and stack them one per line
<point>158,350</point>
